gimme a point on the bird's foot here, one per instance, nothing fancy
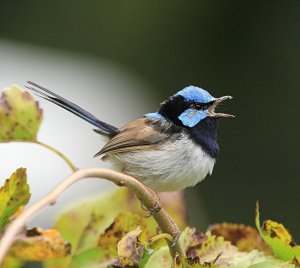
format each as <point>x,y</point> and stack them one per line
<point>157,206</point>
<point>175,235</point>
<point>152,210</point>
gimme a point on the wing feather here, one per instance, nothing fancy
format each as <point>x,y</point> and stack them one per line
<point>136,135</point>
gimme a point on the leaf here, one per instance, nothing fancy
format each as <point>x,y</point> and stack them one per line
<point>195,263</point>
<point>10,262</point>
<point>87,258</point>
<point>129,252</point>
<point>83,223</point>
<point>277,238</point>
<point>13,195</point>
<point>192,240</point>
<point>39,245</point>
<point>124,223</point>
<point>147,254</point>
<point>214,251</point>
<point>20,115</point>
<point>245,238</point>
<point>160,258</point>
<point>254,259</point>
<point>78,222</point>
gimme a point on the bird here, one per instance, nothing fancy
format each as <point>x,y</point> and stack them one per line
<point>168,150</point>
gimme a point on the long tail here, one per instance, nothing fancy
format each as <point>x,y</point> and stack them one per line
<point>103,128</point>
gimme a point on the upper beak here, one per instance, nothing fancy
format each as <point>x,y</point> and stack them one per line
<point>211,109</point>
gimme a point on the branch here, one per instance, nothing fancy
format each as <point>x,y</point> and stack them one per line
<point>147,197</point>
<point>60,154</point>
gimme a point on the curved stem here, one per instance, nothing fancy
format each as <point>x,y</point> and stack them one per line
<point>67,160</point>
<point>146,196</point>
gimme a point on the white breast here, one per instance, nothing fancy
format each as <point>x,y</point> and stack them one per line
<point>172,167</point>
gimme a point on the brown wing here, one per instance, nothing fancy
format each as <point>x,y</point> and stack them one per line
<point>136,135</point>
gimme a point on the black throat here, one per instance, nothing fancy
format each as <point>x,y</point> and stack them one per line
<point>203,134</point>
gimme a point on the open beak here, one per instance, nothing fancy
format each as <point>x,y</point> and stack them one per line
<point>211,109</point>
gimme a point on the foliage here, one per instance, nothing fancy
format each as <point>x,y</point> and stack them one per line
<point>34,244</point>
<point>20,116</point>
<point>112,230</point>
<point>14,194</point>
<point>278,239</point>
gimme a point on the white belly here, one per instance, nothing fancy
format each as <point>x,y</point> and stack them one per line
<point>173,167</point>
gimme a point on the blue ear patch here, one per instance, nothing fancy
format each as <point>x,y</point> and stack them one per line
<point>196,94</point>
<point>191,117</point>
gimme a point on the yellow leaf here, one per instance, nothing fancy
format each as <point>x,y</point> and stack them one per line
<point>128,250</point>
<point>124,223</point>
<point>39,245</point>
<point>13,195</point>
<point>20,115</point>
<point>278,238</point>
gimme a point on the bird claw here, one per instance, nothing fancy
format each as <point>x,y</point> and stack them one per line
<point>152,210</point>
<point>175,236</point>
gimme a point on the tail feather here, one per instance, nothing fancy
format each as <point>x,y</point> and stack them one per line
<point>103,128</point>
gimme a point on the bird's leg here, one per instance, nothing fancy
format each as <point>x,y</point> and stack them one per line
<point>175,232</point>
<point>175,235</point>
<point>157,206</point>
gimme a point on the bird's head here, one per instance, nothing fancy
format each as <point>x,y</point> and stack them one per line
<point>190,106</point>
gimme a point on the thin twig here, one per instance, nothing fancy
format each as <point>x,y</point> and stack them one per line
<point>52,149</point>
<point>146,196</point>
<point>60,154</point>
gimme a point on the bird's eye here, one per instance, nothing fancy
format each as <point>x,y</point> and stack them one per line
<point>200,106</point>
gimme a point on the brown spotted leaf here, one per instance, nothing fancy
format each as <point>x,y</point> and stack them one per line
<point>245,238</point>
<point>83,223</point>
<point>124,223</point>
<point>129,250</point>
<point>20,115</point>
<point>39,245</point>
<point>13,195</point>
<point>191,240</point>
<point>278,238</point>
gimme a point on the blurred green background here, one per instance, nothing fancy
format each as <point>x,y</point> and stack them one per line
<point>248,49</point>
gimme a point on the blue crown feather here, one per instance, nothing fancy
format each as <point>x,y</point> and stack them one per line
<point>196,94</point>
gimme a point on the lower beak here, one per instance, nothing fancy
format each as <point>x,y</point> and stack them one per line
<point>211,109</point>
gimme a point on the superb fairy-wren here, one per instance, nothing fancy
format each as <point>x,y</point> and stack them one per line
<point>169,150</point>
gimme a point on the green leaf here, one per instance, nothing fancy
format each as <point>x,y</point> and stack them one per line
<point>87,258</point>
<point>277,238</point>
<point>20,115</point>
<point>13,195</point>
<point>147,254</point>
<point>253,259</point>
<point>97,223</point>
<point>160,258</point>
<point>83,224</point>
<point>11,262</point>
